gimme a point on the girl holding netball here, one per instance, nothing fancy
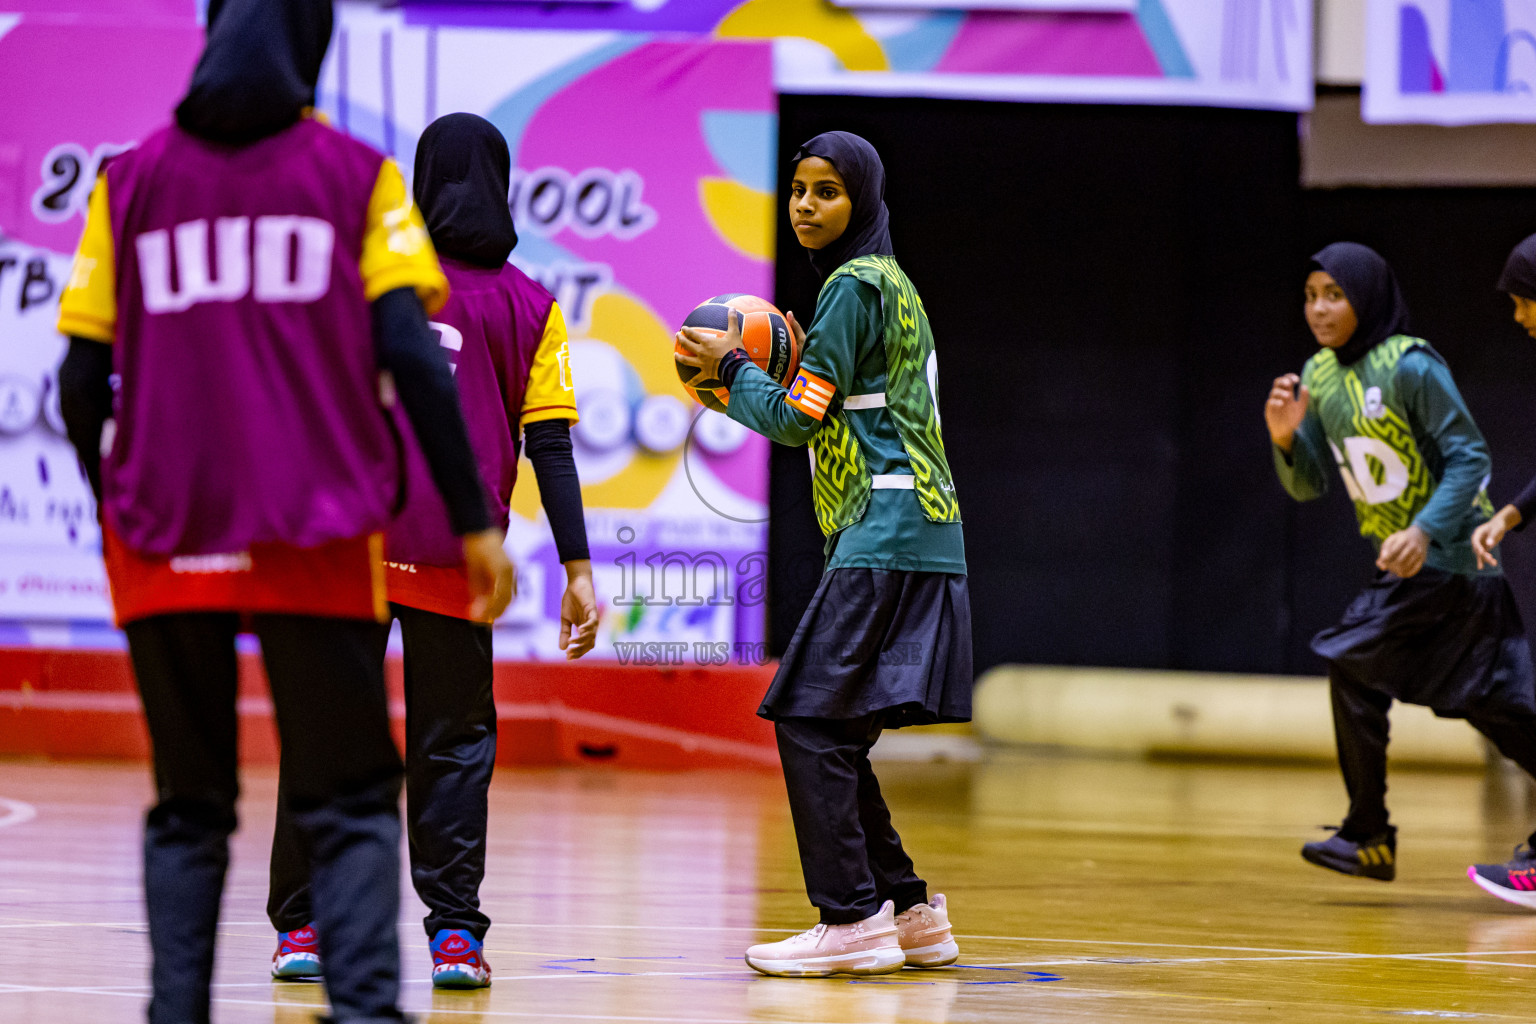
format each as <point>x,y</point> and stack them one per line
<point>886,641</point>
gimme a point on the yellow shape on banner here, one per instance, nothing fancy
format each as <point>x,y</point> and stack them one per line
<point>838,30</point>
<point>646,345</point>
<point>743,216</point>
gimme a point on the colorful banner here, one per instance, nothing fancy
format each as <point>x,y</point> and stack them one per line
<point>1450,61</point>
<point>78,89</point>
<point>1244,53</point>
<point>643,186</point>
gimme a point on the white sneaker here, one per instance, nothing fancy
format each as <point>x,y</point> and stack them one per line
<point>869,946</point>
<point>924,934</point>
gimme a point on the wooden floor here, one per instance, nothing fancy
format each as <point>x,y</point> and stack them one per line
<point>1081,890</point>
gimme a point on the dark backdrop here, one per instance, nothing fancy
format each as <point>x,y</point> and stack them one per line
<point>1112,289</point>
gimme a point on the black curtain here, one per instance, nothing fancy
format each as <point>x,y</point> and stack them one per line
<point>1112,289</point>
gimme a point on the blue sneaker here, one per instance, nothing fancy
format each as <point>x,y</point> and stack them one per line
<point>458,960</point>
<point>298,955</point>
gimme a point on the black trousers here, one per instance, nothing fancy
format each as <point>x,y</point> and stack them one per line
<point>450,743</point>
<point>1361,730</point>
<point>852,858</point>
<point>328,692</point>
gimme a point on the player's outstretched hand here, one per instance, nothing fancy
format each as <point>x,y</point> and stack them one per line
<point>1285,409</point>
<point>492,580</point>
<point>705,349</point>
<point>1402,554</point>
<point>578,611</point>
<point>1490,535</point>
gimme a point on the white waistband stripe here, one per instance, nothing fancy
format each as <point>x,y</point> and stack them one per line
<point>876,401</point>
<point>893,482</point>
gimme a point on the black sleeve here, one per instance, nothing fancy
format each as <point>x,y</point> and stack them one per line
<point>408,350</point>
<point>731,364</point>
<point>548,443</point>
<point>1526,503</point>
<point>85,396</point>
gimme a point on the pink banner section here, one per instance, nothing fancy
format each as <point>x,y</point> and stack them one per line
<point>97,12</point>
<point>77,93</point>
<point>645,111</point>
<point>992,42</point>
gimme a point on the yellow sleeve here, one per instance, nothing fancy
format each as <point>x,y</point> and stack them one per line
<point>88,308</point>
<point>550,394</point>
<point>397,252</point>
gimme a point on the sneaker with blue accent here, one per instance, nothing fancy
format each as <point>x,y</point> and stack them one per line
<point>298,955</point>
<point>458,960</point>
<point>1513,881</point>
<point>1361,856</point>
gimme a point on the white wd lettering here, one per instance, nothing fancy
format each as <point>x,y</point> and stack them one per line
<point>1360,476</point>
<point>293,258</point>
<point>231,240</point>
<point>292,262</point>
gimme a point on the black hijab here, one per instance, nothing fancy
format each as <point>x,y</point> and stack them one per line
<point>463,174</point>
<point>1519,277</point>
<point>869,228</point>
<point>259,68</point>
<point>1371,288</point>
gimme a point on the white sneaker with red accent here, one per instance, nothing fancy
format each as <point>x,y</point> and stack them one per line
<point>864,947</point>
<point>924,934</point>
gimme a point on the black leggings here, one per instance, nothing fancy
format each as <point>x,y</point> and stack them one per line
<point>1361,729</point>
<point>851,856</point>
<point>332,717</point>
<point>450,743</point>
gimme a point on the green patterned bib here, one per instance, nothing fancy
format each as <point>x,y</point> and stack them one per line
<point>1366,422</point>
<point>842,482</point>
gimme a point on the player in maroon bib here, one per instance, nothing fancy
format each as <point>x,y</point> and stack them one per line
<point>506,340</point>
<point>243,278</point>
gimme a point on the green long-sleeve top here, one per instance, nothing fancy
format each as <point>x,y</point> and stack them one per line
<point>1452,447</point>
<point>845,346</point>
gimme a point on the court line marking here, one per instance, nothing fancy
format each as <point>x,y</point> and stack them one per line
<point>16,813</point>
<point>1451,956</point>
<point>1193,945</point>
<point>467,1011</point>
<point>1053,990</point>
<point>1458,959</point>
<point>138,988</point>
<point>412,923</point>
<point>1283,953</point>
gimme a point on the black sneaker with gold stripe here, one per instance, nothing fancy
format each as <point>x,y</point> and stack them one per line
<point>1375,857</point>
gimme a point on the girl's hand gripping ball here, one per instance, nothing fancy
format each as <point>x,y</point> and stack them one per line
<point>727,322</point>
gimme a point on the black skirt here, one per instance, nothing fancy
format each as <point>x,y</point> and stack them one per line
<point>1452,643</point>
<point>879,640</point>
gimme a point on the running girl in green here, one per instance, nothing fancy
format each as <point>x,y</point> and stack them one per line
<point>886,641</point>
<point>1434,627</point>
